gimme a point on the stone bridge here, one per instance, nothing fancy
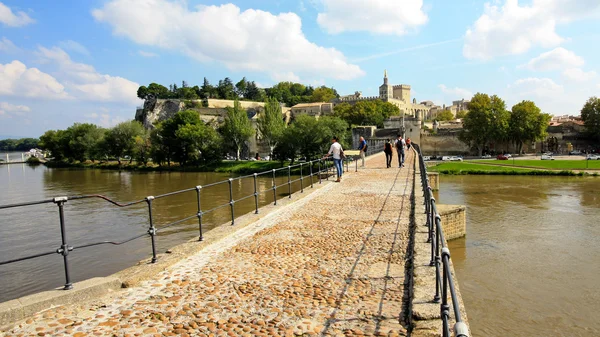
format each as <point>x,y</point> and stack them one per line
<point>344,259</point>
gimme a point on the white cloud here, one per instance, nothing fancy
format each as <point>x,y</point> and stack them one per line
<point>252,40</point>
<point>376,16</point>
<point>6,46</point>
<point>533,87</point>
<point>18,80</point>
<point>84,82</point>
<point>104,118</point>
<point>456,92</point>
<point>556,59</point>
<point>147,54</point>
<point>8,18</point>
<point>74,47</point>
<point>513,29</point>
<point>578,75</point>
<point>9,110</point>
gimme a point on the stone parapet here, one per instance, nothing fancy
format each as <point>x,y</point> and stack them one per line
<point>434,180</point>
<point>454,220</point>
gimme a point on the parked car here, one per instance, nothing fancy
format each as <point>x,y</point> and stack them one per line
<point>575,152</point>
<point>547,157</point>
<point>446,158</point>
<point>502,157</point>
<point>485,156</point>
<point>456,158</point>
<point>592,157</point>
<point>426,158</point>
<point>508,155</point>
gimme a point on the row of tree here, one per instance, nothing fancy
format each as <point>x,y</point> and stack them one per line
<point>287,92</point>
<point>23,144</point>
<point>488,122</point>
<point>366,112</point>
<point>187,140</point>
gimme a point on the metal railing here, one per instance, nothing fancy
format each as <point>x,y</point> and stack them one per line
<point>312,170</point>
<point>440,258</point>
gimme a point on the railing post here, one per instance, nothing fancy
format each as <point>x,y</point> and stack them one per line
<point>64,247</point>
<point>356,168</point>
<point>311,174</point>
<point>444,307</point>
<point>289,181</point>
<point>231,202</point>
<point>436,298</point>
<point>255,194</point>
<point>301,180</point>
<point>198,189</point>
<point>151,229</point>
<point>274,189</point>
<point>320,173</point>
<point>326,170</point>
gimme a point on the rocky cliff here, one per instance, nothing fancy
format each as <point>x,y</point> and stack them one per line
<point>158,110</point>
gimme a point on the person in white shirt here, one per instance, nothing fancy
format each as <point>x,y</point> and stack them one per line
<point>336,150</point>
<point>400,144</point>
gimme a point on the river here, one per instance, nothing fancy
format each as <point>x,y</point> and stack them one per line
<point>530,263</point>
<point>35,229</point>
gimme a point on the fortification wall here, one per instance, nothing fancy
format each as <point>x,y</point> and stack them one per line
<point>437,145</point>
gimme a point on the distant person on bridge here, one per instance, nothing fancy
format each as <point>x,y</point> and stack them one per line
<point>400,143</point>
<point>336,150</point>
<point>363,149</point>
<point>387,148</point>
<point>408,143</point>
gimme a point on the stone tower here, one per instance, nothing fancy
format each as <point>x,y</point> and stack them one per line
<point>385,90</point>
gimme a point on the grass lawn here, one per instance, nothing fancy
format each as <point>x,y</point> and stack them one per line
<point>547,164</point>
<point>457,168</point>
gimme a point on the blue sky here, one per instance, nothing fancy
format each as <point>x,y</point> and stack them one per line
<point>81,61</point>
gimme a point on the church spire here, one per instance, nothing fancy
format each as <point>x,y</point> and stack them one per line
<point>385,73</point>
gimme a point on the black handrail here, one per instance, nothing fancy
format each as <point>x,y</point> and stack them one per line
<point>64,250</point>
<point>440,258</point>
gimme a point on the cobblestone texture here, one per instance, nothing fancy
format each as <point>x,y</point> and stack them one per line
<point>333,266</point>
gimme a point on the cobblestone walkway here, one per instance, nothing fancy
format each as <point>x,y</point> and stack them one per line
<point>332,265</point>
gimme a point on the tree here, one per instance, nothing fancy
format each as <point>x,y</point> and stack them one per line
<point>445,115</point>
<point>323,94</point>
<point>120,140</point>
<point>366,112</point>
<point>487,120</point>
<point>590,114</point>
<point>207,90</point>
<point>527,123</point>
<point>56,142</point>
<point>271,124</point>
<point>226,90</point>
<point>142,147</point>
<point>142,92</point>
<point>254,93</point>
<point>201,143</point>
<point>461,114</point>
<point>241,88</point>
<point>237,127</point>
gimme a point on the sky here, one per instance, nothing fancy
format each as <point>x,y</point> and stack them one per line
<point>71,61</point>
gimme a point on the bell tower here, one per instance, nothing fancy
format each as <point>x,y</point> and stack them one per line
<point>385,90</point>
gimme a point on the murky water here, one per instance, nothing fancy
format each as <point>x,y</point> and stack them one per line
<point>35,229</point>
<point>530,264</point>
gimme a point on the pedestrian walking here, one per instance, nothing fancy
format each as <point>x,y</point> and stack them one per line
<point>408,143</point>
<point>387,148</point>
<point>363,149</point>
<point>338,153</point>
<point>400,150</point>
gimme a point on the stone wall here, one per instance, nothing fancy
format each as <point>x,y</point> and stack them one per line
<point>434,180</point>
<point>442,145</point>
<point>454,220</point>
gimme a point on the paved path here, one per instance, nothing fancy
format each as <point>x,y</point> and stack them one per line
<point>332,263</point>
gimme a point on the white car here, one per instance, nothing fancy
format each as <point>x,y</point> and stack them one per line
<point>485,156</point>
<point>456,158</point>
<point>547,157</point>
<point>508,155</point>
<point>426,158</point>
<point>592,157</point>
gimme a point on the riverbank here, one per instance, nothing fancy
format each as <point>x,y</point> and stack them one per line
<point>226,166</point>
<point>470,168</point>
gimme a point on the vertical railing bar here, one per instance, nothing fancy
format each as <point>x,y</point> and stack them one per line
<point>255,194</point>
<point>289,181</point>
<point>311,174</point>
<point>231,202</point>
<point>151,229</point>
<point>301,180</point>
<point>198,190</point>
<point>64,247</point>
<point>274,189</point>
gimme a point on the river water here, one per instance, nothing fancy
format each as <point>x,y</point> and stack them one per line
<point>35,229</point>
<point>530,263</point>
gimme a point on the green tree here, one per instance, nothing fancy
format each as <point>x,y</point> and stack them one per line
<point>207,90</point>
<point>271,124</point>
<point>254,93</point>
<point>461,114</point>
<point>486,121</point>
<point>241,88</point>
<point>366,112</point>
<point>527,123</point>
<point>142,147</point>
<point>120,140</point>
<point>157,91</point>
<point>56,142</point>
<point>237,127</point>
<point>201,143</point>
<point>590,114</point>
<point>323,94</point>
<point>225,89</point>
<point>445,115</point>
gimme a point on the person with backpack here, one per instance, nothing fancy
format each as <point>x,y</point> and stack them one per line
<point>387,148</point>
<point>400,149</point>
<point>363,150</point>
